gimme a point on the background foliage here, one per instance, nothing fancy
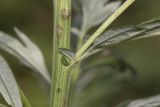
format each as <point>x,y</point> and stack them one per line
<point>34,17</point>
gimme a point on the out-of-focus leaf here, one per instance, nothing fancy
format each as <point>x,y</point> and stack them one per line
<point>96,86</point>
<point>117,64</point>
<point>75,31</point>
<point>147,102</point>
<point>122,66</point>
<point>76,5</point>
<point>113,36</point>
<point>123,104</point>
<point>25,51</point>
<point>8,85</point>
<point>96,11</point>
<point>2,105</point>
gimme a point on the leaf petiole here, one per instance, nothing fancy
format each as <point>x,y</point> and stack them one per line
<point>101,29</point>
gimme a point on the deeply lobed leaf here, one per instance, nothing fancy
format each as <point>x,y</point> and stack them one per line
<point>27,53</point>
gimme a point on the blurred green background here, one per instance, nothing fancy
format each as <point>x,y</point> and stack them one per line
<point>34,17</point>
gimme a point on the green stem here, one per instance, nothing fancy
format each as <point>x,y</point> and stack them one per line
<point>82,48</point>
<point>79,44</point>
<point>24,99</point>
<point>61,39</point>
<point>101,29</point>
<point>75,73</point>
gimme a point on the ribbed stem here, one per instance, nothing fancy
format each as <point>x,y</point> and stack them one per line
<point>61,39</point>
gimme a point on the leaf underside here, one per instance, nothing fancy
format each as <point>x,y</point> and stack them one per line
<point>146,102</point>
<point>8,85</point>
<point>117,35</point>
<point>96,11</point>
<point>25,51</point>
<point>67,53</point>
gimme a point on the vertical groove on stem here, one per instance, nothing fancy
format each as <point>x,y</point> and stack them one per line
<point>61,39</point>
